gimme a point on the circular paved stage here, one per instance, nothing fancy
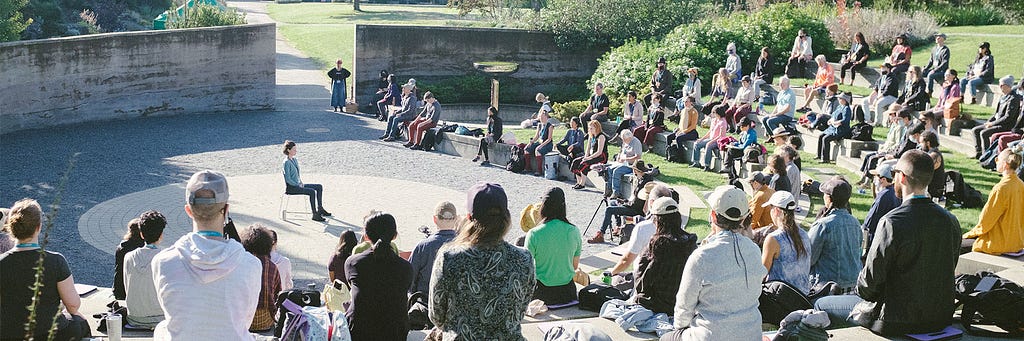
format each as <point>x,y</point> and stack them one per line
<point>256,198</point>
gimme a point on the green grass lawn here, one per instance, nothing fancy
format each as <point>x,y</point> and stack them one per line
<point>326,31</point>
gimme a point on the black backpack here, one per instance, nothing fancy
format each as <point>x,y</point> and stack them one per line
<point>419,318</point>
<point>430,139</point>
<point>862,132</point>
<point>593,296</point>
<point>516,162</point>
<point>1002,305</point>
<point>778,299</point>
<point>674,154</point>
<point>967,196</point>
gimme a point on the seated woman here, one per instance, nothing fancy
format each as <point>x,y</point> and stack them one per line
<point>336,266</point>
<point>980,72</point>
<point>776,168</point>
<point>494,131</point>
<point>748,138</point>
<point>257,240</point>
<point>571,145</point>
<point>595,153</point>
<point>900,55</point>
<point>930,144</point>
<point>540,145</point>
<point>914,95</point>
<point>760,217</point>
<point>855,59</point>
<point>661,264</point>
<point>687,129</point>
<point>949,100</point>
<point>545,106</point>
<point>825,76</point>
<point>427,119</point>
<point>721,92</point>
<point>899,122</point>
<point>555,245</point>
<point>732,62</point>
<point>18,267</point>
<point>380,281</point>
<point>817,120</point>
<point>999,228</point>
<point>392,96</point>
<point>294,184</point>
<point>740,106</point>
<point>131,241</point>
<point>838,128</point>
<point>692,87</point>
<point>786,251</point>
<point>654,125</point>
<point>492,307</point>
<point>632,113</point>
<point>762,72</point>
<point>710,140</point>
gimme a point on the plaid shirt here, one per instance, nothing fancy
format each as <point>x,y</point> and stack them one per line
<point>270,285</point>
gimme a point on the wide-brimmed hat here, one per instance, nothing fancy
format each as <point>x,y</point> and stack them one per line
<point>662,60</point>
<point>781,132</point>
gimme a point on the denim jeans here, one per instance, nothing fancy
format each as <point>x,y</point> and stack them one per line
<point>393,122</point>
<point>838,307</point>
<point>974,84</point>
<point>617,212</point>
<point>712,149</point>
<point>314,191</point>
<point>616,174</point>
<point>936,76</point>
<point>771,122</point>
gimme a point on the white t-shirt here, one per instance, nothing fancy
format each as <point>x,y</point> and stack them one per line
<point>639,239</point>
<point>284,268</point>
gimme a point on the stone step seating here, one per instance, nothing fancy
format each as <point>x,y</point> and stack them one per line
<point>988,95</point>
<point>962,143</point>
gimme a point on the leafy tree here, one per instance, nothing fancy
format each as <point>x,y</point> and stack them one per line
<point>607,23</point>
<point>11,23</point>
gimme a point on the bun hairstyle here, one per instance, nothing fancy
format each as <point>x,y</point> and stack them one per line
<point>288,145</point>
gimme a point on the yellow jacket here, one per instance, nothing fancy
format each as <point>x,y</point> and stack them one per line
<point>761,215</point>
<point>1001,225</point>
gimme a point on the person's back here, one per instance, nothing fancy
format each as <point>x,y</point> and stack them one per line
<point>911,271</point>
<point>718,294</point>
<point>789,267</point>
<point>553,246</point>
<point>661,269</point>
<point>1000,228</point>
<point>17,267</point>
<point>501,281</point>
<point>836,248</point>
<point>422,259</point>
<point>208,289</point>
<point>380,281</point>
<point>141,300</point>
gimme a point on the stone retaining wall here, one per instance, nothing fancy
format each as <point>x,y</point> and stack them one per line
<point>52,82</point>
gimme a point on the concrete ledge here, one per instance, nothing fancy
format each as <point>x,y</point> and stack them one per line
<point>973,262</point>
<point>867,77</point>
<point>853,148</point>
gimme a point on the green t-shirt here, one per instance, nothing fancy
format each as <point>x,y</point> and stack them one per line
<point>554,244</point>
<point>365,245</point>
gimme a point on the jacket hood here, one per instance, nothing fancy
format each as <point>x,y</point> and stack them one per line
<point>208,260</point>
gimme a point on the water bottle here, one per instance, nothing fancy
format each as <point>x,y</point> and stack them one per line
<point>114,327</point>
<point>606,277</point>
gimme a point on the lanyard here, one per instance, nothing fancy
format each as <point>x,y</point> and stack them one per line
<point>151,246</point>
<point>210,234</point>
<point>25,245</point>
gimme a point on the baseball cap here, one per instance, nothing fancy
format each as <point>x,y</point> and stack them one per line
<point>940,34</point>
<point>781,199</point>
<point>445,211</point>
<point>207,180</point>
<point>664,205</point>
<point>729,202</point>
<point>645,193</point>
<point>760,177</point>
<point>837,188</point>
<point>745,78</point>
<point>486,198</point>
<point>884,170</point>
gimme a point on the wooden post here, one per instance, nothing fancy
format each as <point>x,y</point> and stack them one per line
<point>494,93</point>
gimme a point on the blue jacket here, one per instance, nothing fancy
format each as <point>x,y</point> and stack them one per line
<point>291,172</point>
<point>422,259</point>
<point>885,201</point>
<point>749,140</point>
<point>573,137</point>
<point>843,114</point>
<point>835,248</point>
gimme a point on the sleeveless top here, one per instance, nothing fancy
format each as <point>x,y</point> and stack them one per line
<point>593,141</point>
<point>786,266</point>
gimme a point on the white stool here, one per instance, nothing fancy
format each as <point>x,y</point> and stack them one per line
<point>283,206</point>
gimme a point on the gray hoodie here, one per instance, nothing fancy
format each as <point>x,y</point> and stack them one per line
<point>208,289</point>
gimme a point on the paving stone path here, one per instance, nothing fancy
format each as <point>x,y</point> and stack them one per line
<point>125,167</point>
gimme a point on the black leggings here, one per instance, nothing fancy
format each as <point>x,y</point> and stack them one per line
<point>560,294</point>
<point>853,67</point>
<point>825,146</point>
<point>483,149</point>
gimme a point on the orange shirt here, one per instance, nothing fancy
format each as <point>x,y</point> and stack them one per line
<point>1000,228</point>
<point>825,76</point>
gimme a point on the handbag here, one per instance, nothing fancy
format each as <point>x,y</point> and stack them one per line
<point>336,295</point>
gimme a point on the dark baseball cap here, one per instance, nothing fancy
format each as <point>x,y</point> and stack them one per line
<point>486,199</point>
<point>837,188</point>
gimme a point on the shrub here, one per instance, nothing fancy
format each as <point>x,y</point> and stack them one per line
<point>204,15</point>
<point>566,110</point>
<point>947,15</point>
<point>606,23</point>
<point>11,22</point>
<point>470,88</point>
<point>702,45</point>
<point>880,27</point>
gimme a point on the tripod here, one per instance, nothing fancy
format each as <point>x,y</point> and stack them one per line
<point>604,201</point>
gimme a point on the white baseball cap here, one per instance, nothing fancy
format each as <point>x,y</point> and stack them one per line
<point>729,202</point>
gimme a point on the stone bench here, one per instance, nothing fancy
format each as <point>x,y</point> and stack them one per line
<point>972,262</point>
<point>499,153</point>
<point>853,148</point>
<point>988,95</point>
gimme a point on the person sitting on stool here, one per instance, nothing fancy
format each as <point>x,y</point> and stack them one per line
<point>294,185</point>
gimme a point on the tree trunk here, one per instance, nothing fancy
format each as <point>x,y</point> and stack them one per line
<point>355,6</point>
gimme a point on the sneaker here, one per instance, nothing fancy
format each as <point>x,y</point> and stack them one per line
<point>390,139</point>
<point>598,239</point>
<point>323,212</point>
<point>416,147</point>
<point>485,163</point>
<point>408,145</point>
<point>577,186</point>
<point>382,137</point>
<point>476,159</point>
<point>317,217</point>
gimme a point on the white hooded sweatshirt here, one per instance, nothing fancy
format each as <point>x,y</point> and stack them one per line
<point>208,289</point>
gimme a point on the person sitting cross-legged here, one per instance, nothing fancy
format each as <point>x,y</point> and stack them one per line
<point>142,299</point>
<point>426,120</point>
<point>294,184</point>
<point>1000,228</point>
<point>425,252</point>
<point>904,287</point>
<point>555,245</point>
<point>257,240</point>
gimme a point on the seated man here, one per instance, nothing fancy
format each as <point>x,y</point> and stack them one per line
<point>910,264</point>
<point>631,151</point>
<point>661,81</point>
<point>142,299</point>
<point>402,114</point>
<point>634,207</point>
<point>825,76</point>
<point>1000,228</point>
<point>799,56</point>
<point>597,109</point>
<point>1007,112</point>
<point>642,231</point>
<point>423,255</point>
<point>427,119</point>
<point>836,238</point>
<point>884,94</point>
<point>717,298</point>
<point>785,107</point>
<point>885,201</point>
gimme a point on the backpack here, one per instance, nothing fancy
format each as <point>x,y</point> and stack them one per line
<point>430,139</point>
<point>516,161</point>
<point>298,297</point>
<point>674,153</point>
<point>767,98</point>
<point>967,196</point>
<point>314,323</point>
<point>812,188</point>
<point>419,318</point>
<point>862,132</point>
<point>778,299</point>
<point>593,296</point>
<point>1000,306</point>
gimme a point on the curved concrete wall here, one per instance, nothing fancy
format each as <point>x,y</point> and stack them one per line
<point>51,82</point>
